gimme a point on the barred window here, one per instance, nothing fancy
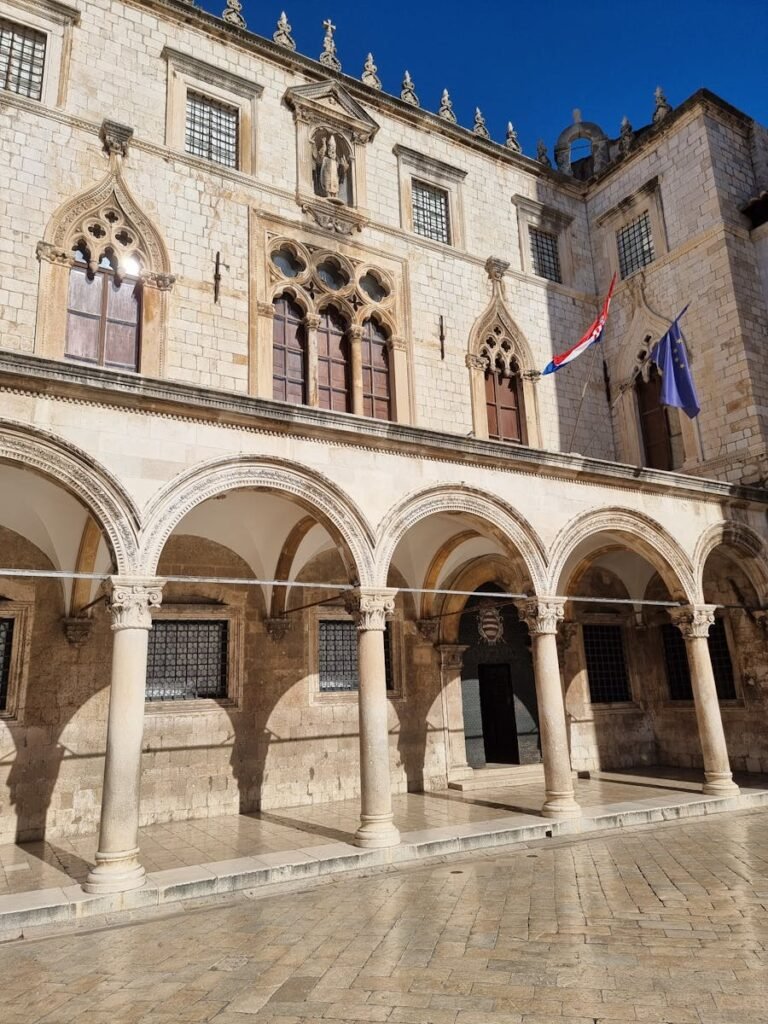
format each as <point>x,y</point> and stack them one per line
<point>187,659</point>
<point>212,129</point>
<point>22,59</point>
<point>430,212</point>
<point>635,243</point>
<point>676,662</point>
<point>545,255</point>
<point>606,664</point>
<point>722,667</point>
<point>338,656</point>
<point>6,642</point>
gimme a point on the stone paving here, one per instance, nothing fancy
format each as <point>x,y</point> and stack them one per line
<point>662,923</point>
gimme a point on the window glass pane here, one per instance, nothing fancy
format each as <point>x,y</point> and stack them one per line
<point>635,244</point>
<point>212,129</point>
<point>333,372</point>
<point>544,254</point>
<point>123,301</point>
<point>676,662</point>
<point>22,59</point>
<point>606,665</point>
<point>6,640</point>
<point>121,348</point>
<point>83,337</point>
<point>187,660</point>
<point>430,212</point>
<point>85,293</point>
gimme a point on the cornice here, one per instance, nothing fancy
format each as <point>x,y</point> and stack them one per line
<point>28,374</point>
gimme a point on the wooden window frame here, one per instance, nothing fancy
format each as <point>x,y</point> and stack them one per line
<point>321,359</point>
<point>370,396</point>
<point>301,334</point>
<point>494,373</point>
<point>108,276</point>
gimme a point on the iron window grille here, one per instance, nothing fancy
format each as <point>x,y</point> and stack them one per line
<point>212,129</point>
<point>430,212</point>
<point>606,664</point>
<point>676,663</point>
<point>722,666</point>
<point>635,244</point>
<point>337,656</point>
<point>187,659</point>
<point>6,642</point>
<point>544,255</point>
<point>22,59</point>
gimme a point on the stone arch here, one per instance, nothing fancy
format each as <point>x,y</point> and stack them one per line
<point>743,539</point>
<point>500,517</point>
<point>334,509</point>
<point>661,551</point>
<point>83,477</point>
<point>590,131</point>
<point>295,293</point>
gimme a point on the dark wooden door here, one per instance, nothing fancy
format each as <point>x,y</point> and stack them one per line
<point>497,709</point>
<point>503,399</point>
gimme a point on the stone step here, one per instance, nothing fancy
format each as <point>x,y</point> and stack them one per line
<point>500,775</point>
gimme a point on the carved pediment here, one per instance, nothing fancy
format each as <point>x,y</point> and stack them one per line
<point>330,102</point>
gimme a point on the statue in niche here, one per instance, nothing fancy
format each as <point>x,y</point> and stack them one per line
<point>331,167</point>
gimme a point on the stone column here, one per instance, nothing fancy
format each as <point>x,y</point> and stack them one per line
<point>311,323</point>
<point>117,861</point>
<point>260,340</point>
<point>451,660</point>
<point>694,621</point>
<point>398,380</point>
<point>355,335</point>
<point>377,828</point>
<point>477,367</point>
<point>542,616</point>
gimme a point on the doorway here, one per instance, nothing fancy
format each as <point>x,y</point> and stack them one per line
<point>497,713</point>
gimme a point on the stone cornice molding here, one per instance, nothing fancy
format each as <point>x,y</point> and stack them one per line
<point>693,621</point>
<point>371,607</point>
<point>428,164</point>
<point>131,600</point>
<point>211,73</point>
<point>53,9</point>
<point>542,615</point>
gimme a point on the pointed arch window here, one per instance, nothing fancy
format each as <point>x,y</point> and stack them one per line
<point>334,378</point>
<point>659,426</point>
<point>104,310</point>
<point>289,353</point>
<point>377,395</point>
<point>504,404</point>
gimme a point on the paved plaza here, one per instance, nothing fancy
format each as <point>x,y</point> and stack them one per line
<point>660,923</point>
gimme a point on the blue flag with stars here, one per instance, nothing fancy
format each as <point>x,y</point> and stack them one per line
<point>677,387</point>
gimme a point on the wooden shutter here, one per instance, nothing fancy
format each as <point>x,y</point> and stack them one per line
<point>377,400</point>
<point>289,353</point>
<point>333,363</point>
<point>653,422</point>
<point>504,403</point>
<point>103,319</point>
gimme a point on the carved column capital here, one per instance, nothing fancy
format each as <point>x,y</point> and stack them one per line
<point>131,601</point>
<point>496,268</point>
<point>355,333</point>
<point>115,137</point>
<point>428,629</point>
<point>475,362</point>
<point>53,254</point>
<point>163,282</point>
<point>693,620</point>
<point>395,344</point>
<point>277,628</point>
<point>266,309</point>
<point>371,607</point>
<point>312,321</point>
<point>542,614</point>
<point>452,656</point>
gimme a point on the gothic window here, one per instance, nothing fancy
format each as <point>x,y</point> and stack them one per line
<point>676,663</point>
<point>504,404</point>
<point>289,353</point>
<point>187,659</point>
<point>545,258</point>
<point>337,656</point>
<point>212,129</point>
<point>659,425</point>
<point>635,245</point>
<point>6,642</point>
<point>22,59</point>
<point>333,363</point>
<point>103,310</point>
<point>606,664</point>
<point>430,212</point>
<point>377,399</point>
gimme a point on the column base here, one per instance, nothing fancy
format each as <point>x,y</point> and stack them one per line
<point>115,872</point>
<point>560,805</point>
<point>376,833</point>
<point>719,784</point>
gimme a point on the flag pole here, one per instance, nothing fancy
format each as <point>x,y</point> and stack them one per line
<point>587,382</point>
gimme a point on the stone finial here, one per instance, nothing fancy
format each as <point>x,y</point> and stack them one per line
<point>480,127</point>
<point>662,107</point>
<point>408,91</point>
<point>328,57</point>
<point>115,137</point>
<point>233,13</point>
<point>512,142</point>
<point>369,76</point>
<point>541,153</point>
<point>282,35</point>
<point>626,136</point>
<point>576,115</point>
<point>446,108</point>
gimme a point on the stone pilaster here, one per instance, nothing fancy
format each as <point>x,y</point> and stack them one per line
<point>451,662</point>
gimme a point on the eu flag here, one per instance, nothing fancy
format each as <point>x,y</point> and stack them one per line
<point>677,387</point>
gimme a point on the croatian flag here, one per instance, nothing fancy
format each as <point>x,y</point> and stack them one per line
<point>593,335</point>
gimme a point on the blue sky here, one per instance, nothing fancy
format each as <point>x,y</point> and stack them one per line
<point>532,63</point>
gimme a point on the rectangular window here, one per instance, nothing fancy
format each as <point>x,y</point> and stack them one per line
<point>722,666</point>
<point>430,212</point>
<point>338,656</point>
<point>635,243</point>
<point>545,257</point>
<point>212,129</point>
<point>187,659</point>
<point>606,664</point>
<point>6,642</point>
<point>676,662</point>
<point>22,59</point>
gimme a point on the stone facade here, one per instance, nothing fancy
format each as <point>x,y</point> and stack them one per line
<point>188,467</point>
